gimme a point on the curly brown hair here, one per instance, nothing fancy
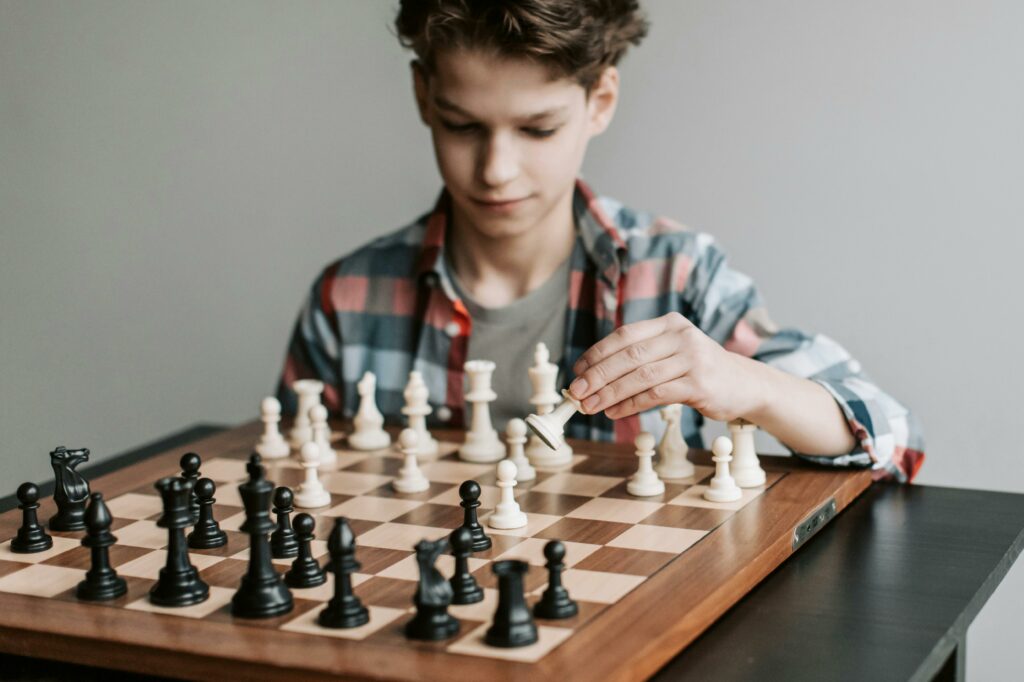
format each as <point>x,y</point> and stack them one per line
<point>577,39</point>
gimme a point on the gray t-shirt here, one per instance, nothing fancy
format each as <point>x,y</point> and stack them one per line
<point>508,336</point>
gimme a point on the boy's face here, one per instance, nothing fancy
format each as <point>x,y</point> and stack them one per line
<point>504,131</point>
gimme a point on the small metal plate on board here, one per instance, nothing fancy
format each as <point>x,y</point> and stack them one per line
<point>813,523</point>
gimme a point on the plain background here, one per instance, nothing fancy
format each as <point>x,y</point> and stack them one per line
<point>173,174</point>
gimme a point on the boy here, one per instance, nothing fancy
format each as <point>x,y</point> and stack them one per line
<point>636,311</point>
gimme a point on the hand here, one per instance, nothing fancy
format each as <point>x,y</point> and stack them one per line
<point>661,361</point>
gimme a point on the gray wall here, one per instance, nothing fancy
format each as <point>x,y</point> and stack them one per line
<point>173,174</point>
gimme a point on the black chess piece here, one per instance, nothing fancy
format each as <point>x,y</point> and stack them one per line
<point>283,544</point>
<point>305,571</point>
<point>262,593</point>
<point>190,463</point>
<point>469,491</point>
<point>555,603</point>
<point>32,537</point>
<point>179,583</point>
<point>71,492</point>
<point>513,624</point>
<point>207,533</point>
<point>101,580</point>
<point>465,589</point>
<point>433,595</point>
<point>344,610</point>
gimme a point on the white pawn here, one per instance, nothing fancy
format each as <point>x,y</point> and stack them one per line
<point>410,478</point>
<point>645,482</point>
<point>321,436</point>
<point>515,436</point>
<point>416,408</point>
<point>722,487</point>
<point>482,442</point>
<point>672,461</point>
<point>308,392</point>
<point>507,514</point>
<point>311,493</point>
<point>745,467</point>
<point>368,434</point>
<point>272,444</point>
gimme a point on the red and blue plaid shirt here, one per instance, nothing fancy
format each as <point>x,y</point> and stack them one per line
<point>390,307</point>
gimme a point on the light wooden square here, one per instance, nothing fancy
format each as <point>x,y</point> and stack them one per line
<point>535,523</point>
<point>489,497</point>
<point>380,616</point>
<point>694,497</point>
<point>142,534</point>
<point>548,638</point>
<point>224,469</point>
<point>658,539</point>
<point>454,472</point>
<point>228,494</point>
<point>399,536</point>
<point>40,580</point>
<point>318,548</point>
<point>233,522</point>
<point>149,565</point>
<point>614,509</point>
<point>480,611</point>
<point>325,592</point>
<point>371,508</point>
<point>597,586</point>
<point>531,550</point>
<point>586,485</point>
<point>219,597</point>
<point>135,506</point>
<point>408,569</point>
<point>352,482</point>
<point>60,545</point>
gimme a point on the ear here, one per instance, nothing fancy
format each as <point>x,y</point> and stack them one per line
<point>601,101</point>
<point>420,83</point>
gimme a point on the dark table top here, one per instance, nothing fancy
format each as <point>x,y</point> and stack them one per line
<point>885,591</point>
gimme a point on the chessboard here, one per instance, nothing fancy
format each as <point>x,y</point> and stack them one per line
<point>649,574</point>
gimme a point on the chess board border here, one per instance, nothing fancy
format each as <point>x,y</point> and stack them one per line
<point>632,639</point>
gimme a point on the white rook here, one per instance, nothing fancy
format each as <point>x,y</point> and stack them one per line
<point>482,442</point>
<point>746,468</point>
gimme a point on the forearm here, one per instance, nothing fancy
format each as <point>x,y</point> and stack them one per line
<point>800,413</point>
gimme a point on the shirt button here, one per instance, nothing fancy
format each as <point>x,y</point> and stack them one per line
<point>443,413</point>
<point>452,329</point>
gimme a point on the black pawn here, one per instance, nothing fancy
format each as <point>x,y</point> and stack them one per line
<point>305,571</point>
<point>464,586</point>
<point>207,533</point>
<point>179,583</point>
<point>101,581</point>
<point>283,544</point>
<point>344,610</point>
<point>513,624</point>
<point>469,491</point>
<point>555,602</point>
<point>31,536</point>
<point>190,463</point>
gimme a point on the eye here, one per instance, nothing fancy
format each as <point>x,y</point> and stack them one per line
<point>457,128</point>
<point>540,132</point>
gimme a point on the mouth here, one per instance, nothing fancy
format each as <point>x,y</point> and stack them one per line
<point>499,204</point>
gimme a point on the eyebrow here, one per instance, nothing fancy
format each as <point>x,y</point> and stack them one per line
<point>451,106</point>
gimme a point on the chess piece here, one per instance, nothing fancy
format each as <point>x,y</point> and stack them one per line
<point>262,593</point>
<point>513,624</point>
<point>344,610</point>
<point>311,493</point>
<point>416,408</point>
<point>507,514</point>
<point>469,492</point>
<point>369,433</point>
<point>482,443</point>
<point>515,436</point>
<point>190,463</point>
<point>465,589</point>
<point>272,444</point>
<point>410,478</point>
<point>322,437</point>
<point>305,571</point>
<point>433,595</point>
<point>308,392</point>
<point>101,580</point>
<point>550,427</point>
<point>544,377</point>
<point>179,583</point>
<point>722,487</point>
<point>31,537</point>
<point>645,482</point>
<point>207,533</point>
<point>71,491</point>
<point>283,543</point>
<point>746,469</point>
<point>555,603</point>
<point>672,450</point>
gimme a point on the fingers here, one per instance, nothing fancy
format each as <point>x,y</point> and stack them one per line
<point>674,391</point>
<point>631,383</point>
<point>633,358</point>
<point>627,335</point>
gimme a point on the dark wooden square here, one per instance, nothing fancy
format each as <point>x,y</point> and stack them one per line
<point>621,560</point>
<point>435,515</point>
<point>373,560</point>
<point>695,518</point>
<point>390,592</point>
<point>584,530</point>
<point>554,504</point>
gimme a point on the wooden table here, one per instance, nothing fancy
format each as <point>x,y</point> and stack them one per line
<point>886,591</point>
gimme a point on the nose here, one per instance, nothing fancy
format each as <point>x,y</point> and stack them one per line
<point>500,162</point>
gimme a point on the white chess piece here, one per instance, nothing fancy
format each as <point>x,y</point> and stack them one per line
<point>410,478</point>
<point>746,469</point>
<point>416,408</point>
<point>272,444</point>
<point>308,391</point>
<point>321,436</point>
<point>311,493</point>
<point>482,442</point>
<point>551,427</point>
<point>507,514</point>
<point>645,482</point>
<point>543,377</point>
<point>672,461</point>
<point>369,433</point>
<point>515,436</point>
<point>722,487</point>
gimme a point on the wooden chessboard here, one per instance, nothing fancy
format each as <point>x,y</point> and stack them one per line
<point>649,574</point>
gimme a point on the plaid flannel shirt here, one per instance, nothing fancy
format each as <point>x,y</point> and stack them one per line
<point>390,307</point>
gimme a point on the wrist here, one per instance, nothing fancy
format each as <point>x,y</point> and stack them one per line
<point>763,383</point>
